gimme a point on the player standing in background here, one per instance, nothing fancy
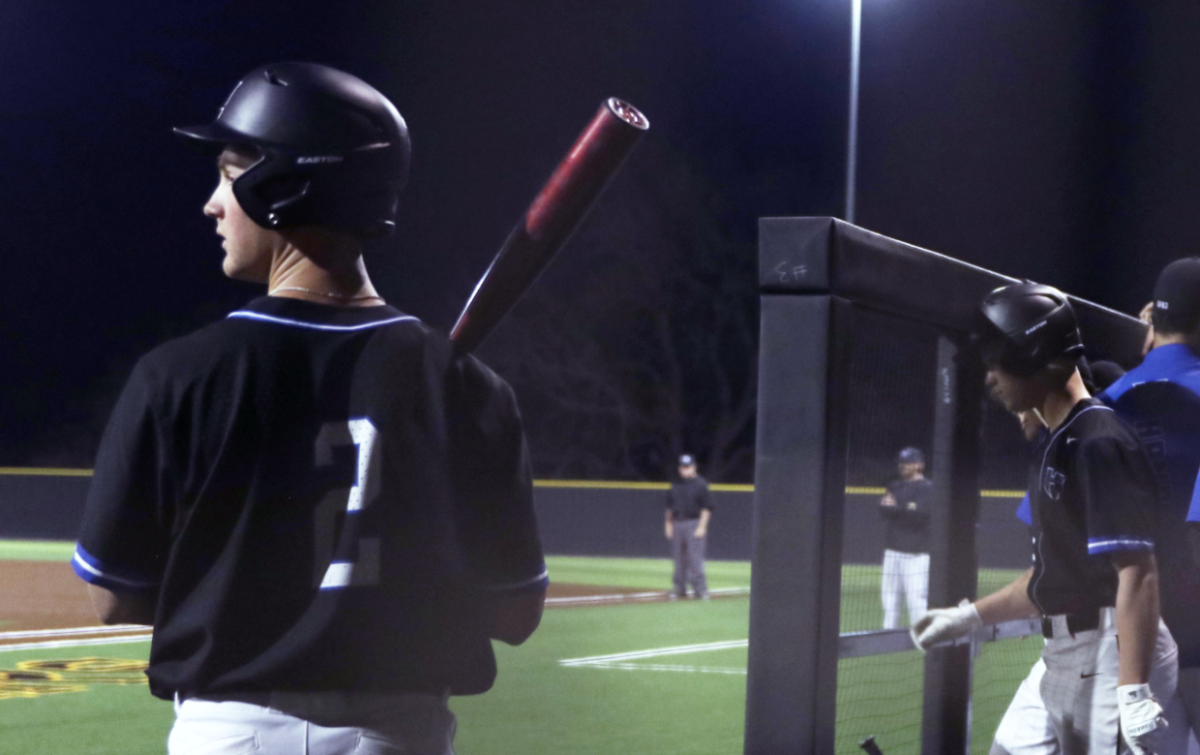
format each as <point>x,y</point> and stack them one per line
<point>1094,577</point>
<point>905,509</point>
<point>1161,400</point>
<point>324,511</point>
<point>689,507</point>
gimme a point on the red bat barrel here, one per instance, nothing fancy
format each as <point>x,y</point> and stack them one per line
<point>556,212</point>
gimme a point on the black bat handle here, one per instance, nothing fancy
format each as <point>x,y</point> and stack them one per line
<point>870,747</point>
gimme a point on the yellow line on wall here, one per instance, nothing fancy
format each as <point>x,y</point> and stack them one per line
<point>727,488</point>
<point>45,472</point>
<point>851,490</point>
<point>601,484</point>
<point>580,484</point>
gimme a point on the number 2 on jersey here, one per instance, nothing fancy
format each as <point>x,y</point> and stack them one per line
<point>335,567</point>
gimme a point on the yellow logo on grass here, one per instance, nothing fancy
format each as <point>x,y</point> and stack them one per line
<point>36,678</point>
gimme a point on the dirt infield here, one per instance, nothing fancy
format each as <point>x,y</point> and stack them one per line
<point>42,595</point>
<point>47,595</point>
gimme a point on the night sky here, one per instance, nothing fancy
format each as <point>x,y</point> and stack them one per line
<point>1045,140</point>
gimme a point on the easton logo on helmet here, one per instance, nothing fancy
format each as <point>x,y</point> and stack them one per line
<point>317,159</point>
<point>1035,327</point>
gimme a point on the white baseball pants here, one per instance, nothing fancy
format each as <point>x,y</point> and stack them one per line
<point>348,724</point>
<point>904,575</point>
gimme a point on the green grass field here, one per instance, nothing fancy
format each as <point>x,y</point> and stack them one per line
<point>677,702</point>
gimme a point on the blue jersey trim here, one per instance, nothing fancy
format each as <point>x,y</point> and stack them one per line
<point>1171,363</point>
<point>1193,514</point>
<point>1025,511</point>
<point>90,570</point>
<point>1118,544</point>
<point>247,314</point>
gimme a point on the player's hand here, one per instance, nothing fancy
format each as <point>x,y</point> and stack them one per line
<point>1141,717</point>
<point>945,624</point>
<point>888,500</point>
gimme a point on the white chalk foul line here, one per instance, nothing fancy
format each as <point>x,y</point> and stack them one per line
<point>657,652</point>
<point>74,637</point>
<point>636,597</point>
<point>82,642</point>
<point>728,670</point>
<point>621,662</point>
<point>114,629</point>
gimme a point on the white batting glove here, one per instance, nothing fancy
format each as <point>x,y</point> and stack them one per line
<point>1141,717</point>
<point>945,624</point>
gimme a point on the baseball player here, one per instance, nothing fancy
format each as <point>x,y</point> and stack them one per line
<point>1094,578</point>
<point>323,510</point>
<point>905,508</point>
<point>1161,400</point>
<point>689,507</point>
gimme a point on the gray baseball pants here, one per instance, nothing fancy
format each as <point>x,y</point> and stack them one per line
<point>687,550</point>
<point>1068,704</point>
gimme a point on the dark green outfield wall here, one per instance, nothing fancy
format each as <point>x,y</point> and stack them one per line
<point>576,520</point>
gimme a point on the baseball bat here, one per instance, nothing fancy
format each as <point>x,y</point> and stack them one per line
<point>555,213</point>
<point>868,745</point>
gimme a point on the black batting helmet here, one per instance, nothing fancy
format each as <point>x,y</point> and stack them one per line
<point>1033,325</point>
<point>335,151</point>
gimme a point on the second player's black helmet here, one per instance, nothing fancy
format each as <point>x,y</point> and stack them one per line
<point>1032,324</point>
<point>335,151</point>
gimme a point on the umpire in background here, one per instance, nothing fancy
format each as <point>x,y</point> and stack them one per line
<point>324,511</point>
<point>1161,400</point>
<point>905,509</point>
<point>689,507</point>
<point>1108,658</point>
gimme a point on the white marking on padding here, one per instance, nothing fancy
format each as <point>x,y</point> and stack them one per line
<point>338,575</point>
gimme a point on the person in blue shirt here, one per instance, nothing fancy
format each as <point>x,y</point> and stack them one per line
<point>1161,400</point>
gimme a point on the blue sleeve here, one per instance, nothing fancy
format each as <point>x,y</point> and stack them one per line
<point>1025,511</point>
<point>1193,514</point>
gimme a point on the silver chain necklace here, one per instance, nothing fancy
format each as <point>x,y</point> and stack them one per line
<point>338,297</point>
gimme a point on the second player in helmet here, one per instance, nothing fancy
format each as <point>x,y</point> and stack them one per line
<point>1093,577</point>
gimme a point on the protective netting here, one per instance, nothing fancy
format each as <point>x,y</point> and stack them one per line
<point>891,396</point>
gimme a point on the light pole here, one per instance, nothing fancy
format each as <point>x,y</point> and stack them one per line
<point>852,129</point>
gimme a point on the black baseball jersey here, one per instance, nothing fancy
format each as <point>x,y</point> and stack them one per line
<point>1092,494</point>
<point>323,498</point>
<point>686,498</point>
<point>908,520</point>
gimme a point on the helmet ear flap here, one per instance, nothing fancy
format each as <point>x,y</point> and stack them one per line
<point>275,197</point>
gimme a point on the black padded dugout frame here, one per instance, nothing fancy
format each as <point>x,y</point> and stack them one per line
<point>814,275</point>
